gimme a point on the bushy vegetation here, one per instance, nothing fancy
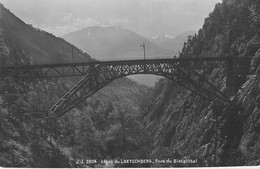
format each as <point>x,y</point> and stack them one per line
<point>186,121</point>
<point>175,123</point>
<point>96,129</point>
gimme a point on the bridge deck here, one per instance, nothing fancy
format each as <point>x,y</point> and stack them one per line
<point>80,68</point>
<point>99,73</point>
<point>51,65</point>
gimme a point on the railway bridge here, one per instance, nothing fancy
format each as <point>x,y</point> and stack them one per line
<point>188,72</point>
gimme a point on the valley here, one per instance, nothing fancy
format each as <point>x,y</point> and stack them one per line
<point>179,120</point>
<point>116,43</point>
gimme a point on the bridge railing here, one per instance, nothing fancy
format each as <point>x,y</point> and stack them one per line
<point>105,60</point>
<point>134,58</point>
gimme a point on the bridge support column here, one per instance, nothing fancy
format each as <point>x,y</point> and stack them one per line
<point>237,71</point>
<point>232,84</point>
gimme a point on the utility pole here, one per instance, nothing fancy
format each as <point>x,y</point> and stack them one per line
<point>72,53</point>
<point>143,46</point>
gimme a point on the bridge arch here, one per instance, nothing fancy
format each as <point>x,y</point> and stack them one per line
<point>97,74</point>
<point>100,75</point>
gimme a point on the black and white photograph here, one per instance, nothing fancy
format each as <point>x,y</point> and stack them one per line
<point>129,83</point>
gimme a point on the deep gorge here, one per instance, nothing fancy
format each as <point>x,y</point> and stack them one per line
<point>126,120</point>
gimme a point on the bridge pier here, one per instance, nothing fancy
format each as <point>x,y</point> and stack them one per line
<point>237,70</point>
<point>231,78</point>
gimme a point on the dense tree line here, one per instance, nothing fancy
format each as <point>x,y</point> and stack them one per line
<point>96,129</point>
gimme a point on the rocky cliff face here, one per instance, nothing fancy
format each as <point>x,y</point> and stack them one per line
<point>214,133</point>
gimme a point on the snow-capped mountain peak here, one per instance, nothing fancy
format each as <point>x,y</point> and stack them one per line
<point>162,38</point>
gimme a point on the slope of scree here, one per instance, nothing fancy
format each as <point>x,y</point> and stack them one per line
<point>187,123</point>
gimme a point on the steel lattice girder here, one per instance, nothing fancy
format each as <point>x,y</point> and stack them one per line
<point>80,69</point>
<point>100,75</point>
<point>45,71</point>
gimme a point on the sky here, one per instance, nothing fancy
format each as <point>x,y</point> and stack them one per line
<point>146,17</point>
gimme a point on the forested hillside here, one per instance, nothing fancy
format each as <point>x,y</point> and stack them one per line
<point>104,126</point>
<point>21,43</point>
<point>214,133</point>
<point>125,120</point>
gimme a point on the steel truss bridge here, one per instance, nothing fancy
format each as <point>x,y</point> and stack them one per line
<point>188,72</point>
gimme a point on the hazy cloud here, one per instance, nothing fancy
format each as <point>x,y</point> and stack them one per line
<point>70,24</point>
<point>117,21</point>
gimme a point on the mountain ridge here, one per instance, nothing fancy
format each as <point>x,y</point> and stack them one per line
<point>113,42</point>
<point>27,137</point>
<point>215,133</point>
<point>173,44</point>
<point>21,43</point>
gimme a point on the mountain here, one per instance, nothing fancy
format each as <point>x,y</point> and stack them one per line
<point>173,44</point>
<point>21,43</point>
<point>162,38</point>
<point>108,43</point>
<point>184,125</point>
<point>176,124</point>
<point>115,43</point>
<point>27,137</point>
